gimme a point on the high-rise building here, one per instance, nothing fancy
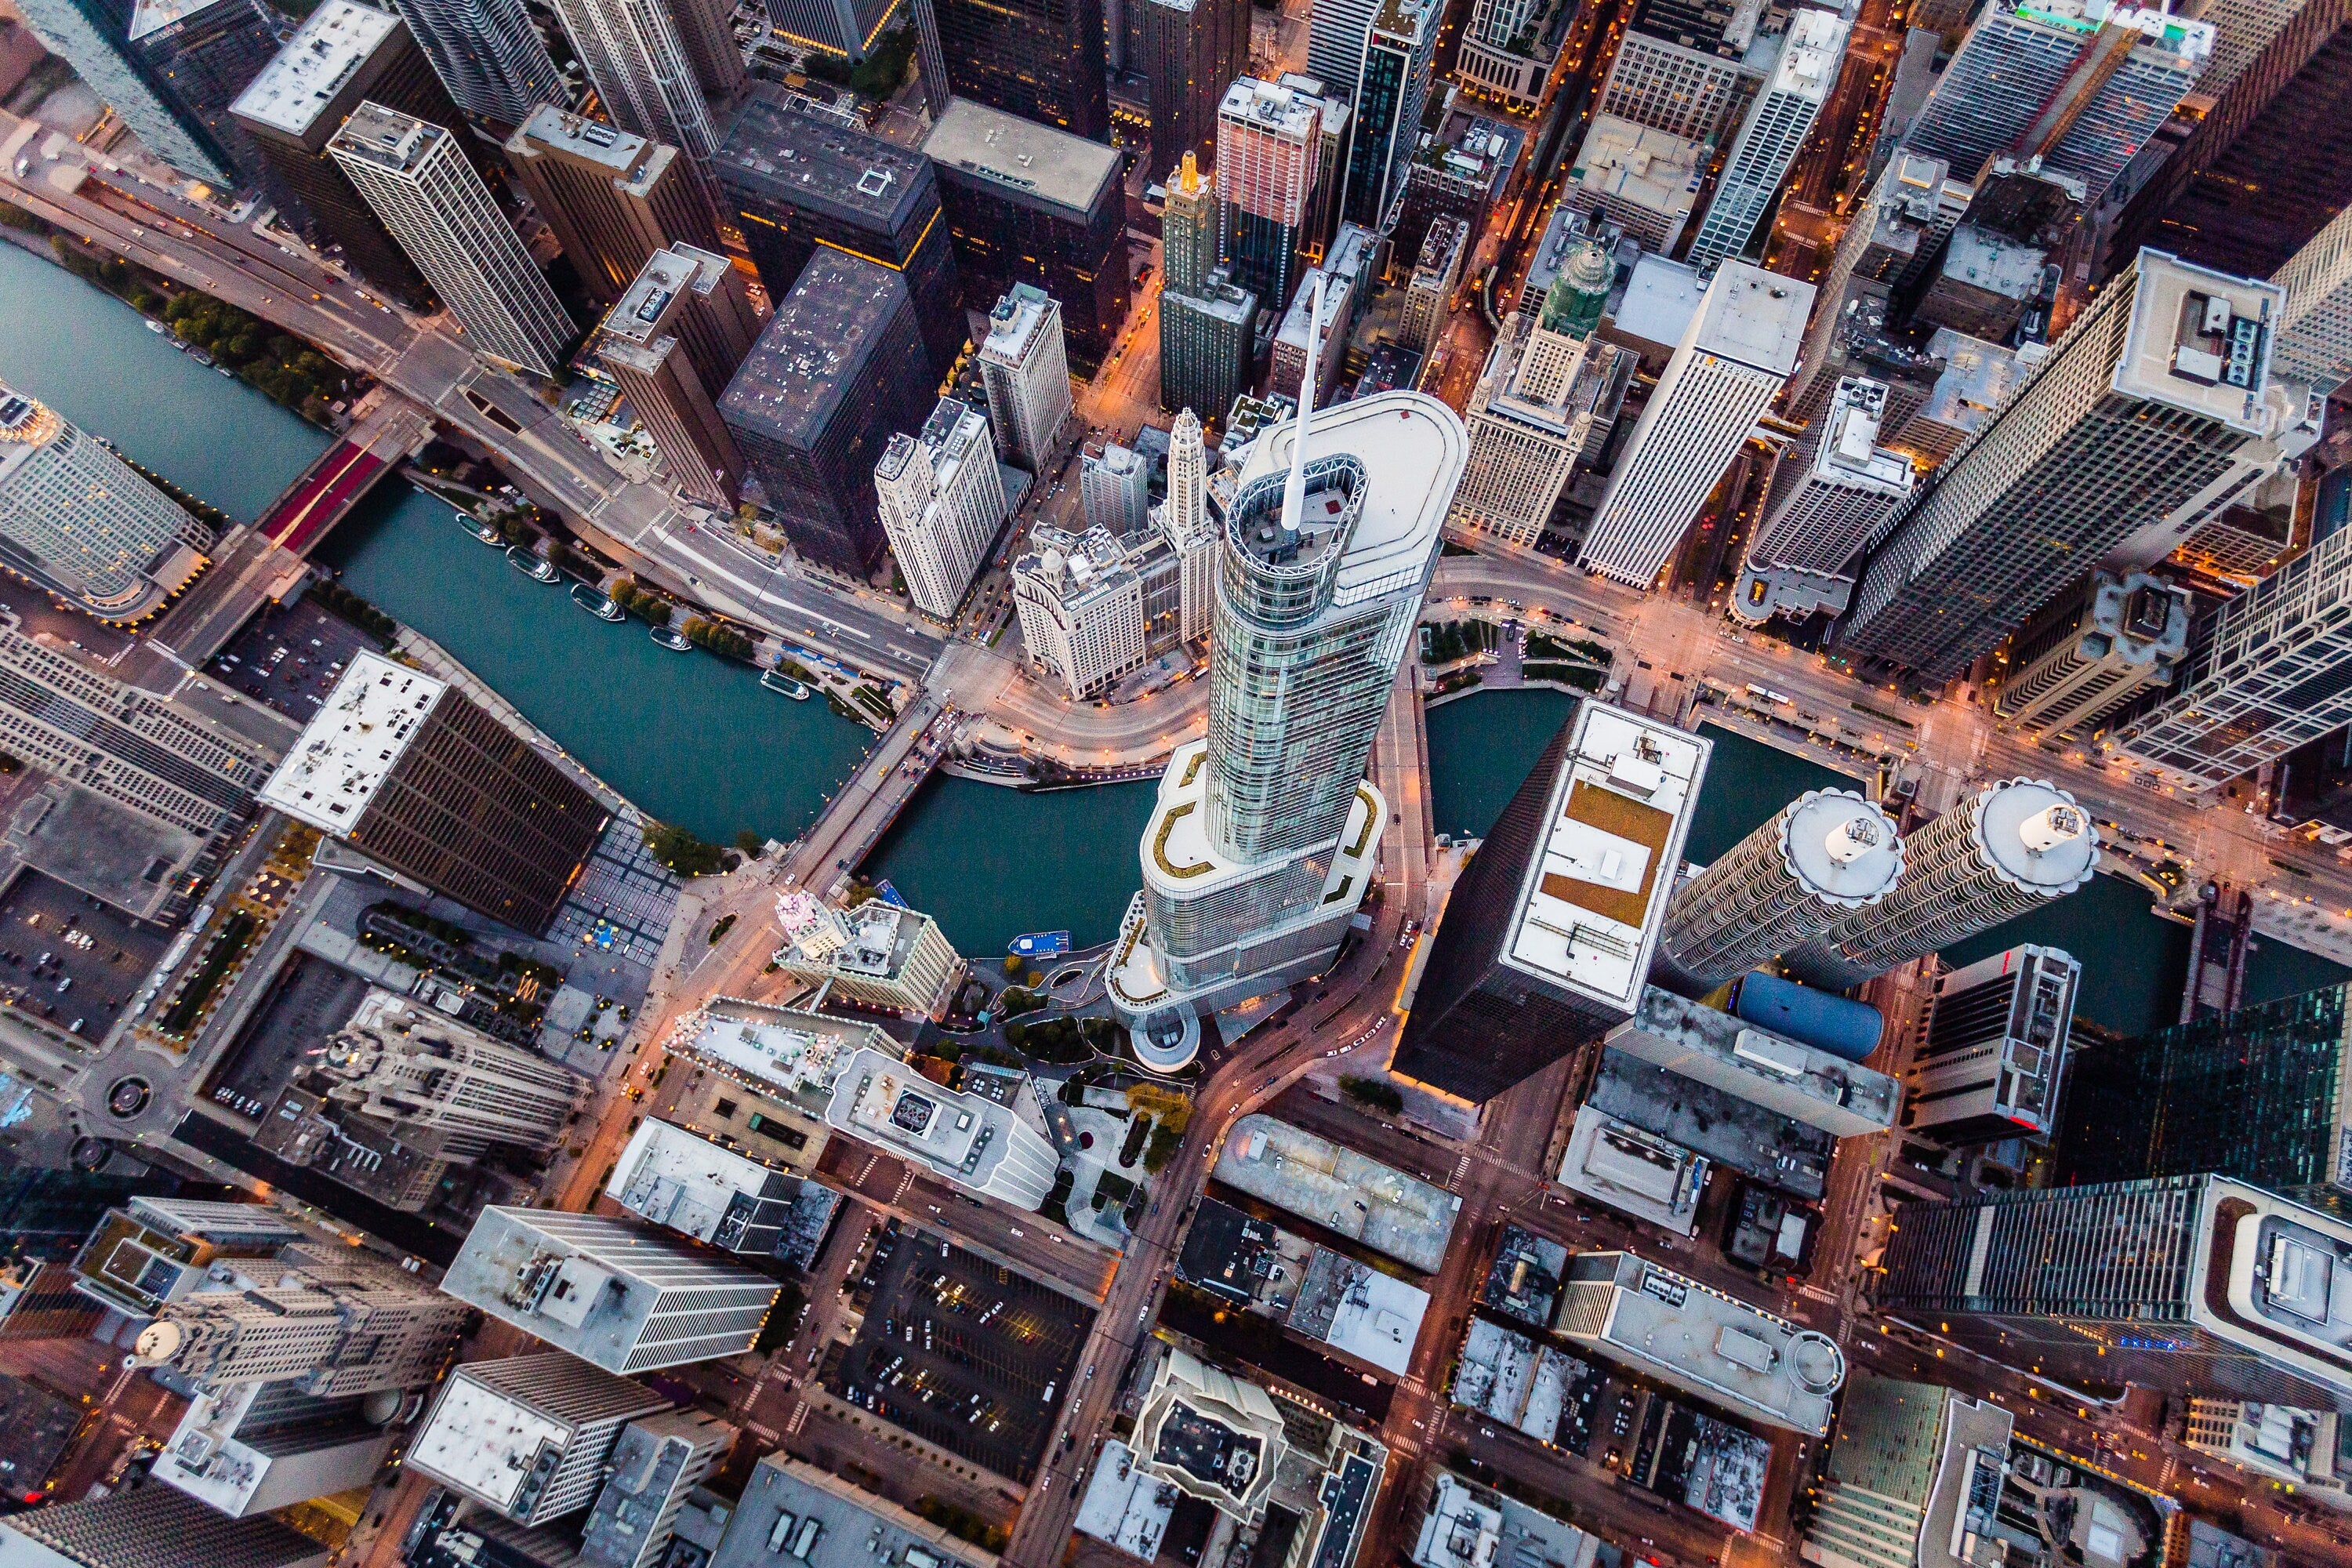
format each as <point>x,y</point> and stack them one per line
<point>245,1448</point>
<point>94,37</point>
<point>2257,1094</point>
<point>942,500</point>
<point>2086,657</point>
<point>202,54</point>
<point>1732,1058</point>
<point>135,749</point>
<point>633,59</point>
<point>2147,401</point>
<point>1191,534</point>
<point>617,1294</point>
<point>416,178</point>
<point>1732,359</point>
<point>1041,60</point>
<point>967,1139</point>
<point>672,1176</point>
<point>839,368</point>
<point>2199,1283</point>
<point>151,1527</point>
<point>1026,374</point>
<point>331,1327</point>
<point>1259,845</point>
<point>1115,489</point>
<point>613,199</point>
<point>417,775</point>
<point>673,342</point>
<point>657,1461</point>
<point>823,1506</point>
<point>798,181</point>
<point>2010,848</point>
<point>417,1067</point>
<point>1695,1338</point>
<point>705,30</point>
<point>529,1436</point>
<point>1027,203</point>
<point>1994,1054</point>
<point>1304,341</point>
<point>1391,91</point>
<point>83,523</point>
<point>2270,163</point>
<point>1770,137</point>
<point>1824,854</point>
<point>1850,338</point>
<point>1434,273</point>
<point>154,1251</point>
<point>2314,339</point>
<point>343,55</point>
<point>2310,1450</point>
<point>1191,1402</point>
<point>1335,43</point>
<point>1688,70</point>
<point>1267,160</point>
<point>2265,676</point>
<point>1509,48</point>
<point>846,27</point>
<point>1546,401</point>
<point>1831,497</point>
<point>1206,318</point>
<point>1914,1468</point>
<point>1081,609</point>
<point>488,54</point>
<point>874,954</point>
<point>1545,940</point>
<point>1191,48</point>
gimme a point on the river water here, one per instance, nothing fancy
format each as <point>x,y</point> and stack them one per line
<point>694,740</point>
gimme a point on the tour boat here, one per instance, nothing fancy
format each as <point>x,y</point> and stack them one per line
<point>777,680</point>
<point>531,566</point>
<point>671,639</point>
<point>153,325</point>
<point>596,602</point>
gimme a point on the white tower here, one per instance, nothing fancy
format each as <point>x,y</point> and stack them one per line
<point>1822,855</point>
<point>1026,373</point>
<point>487,54</point>
<point>2010,847</point>
<point>1777,125</point>
<point>333,1327</point>
<point>641,71</point>
<point>2314,339</point>
<point>1184,517</point>
<point>529,1434</point>
<point>422,1068</point>
<point>942,502</point>
<point>1737,350</point>
<point>416,178</point>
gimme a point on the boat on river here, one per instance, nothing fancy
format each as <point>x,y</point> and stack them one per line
<point>596,602</point>
<point>777,680</point>
<point>153,325</point>
<point>670,639</point>
<point>531,566</point>
<point>485,532</point>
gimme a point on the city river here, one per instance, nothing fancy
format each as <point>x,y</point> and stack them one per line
<point>694,740</point>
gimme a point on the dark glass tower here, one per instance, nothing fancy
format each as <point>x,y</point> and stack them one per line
<point>1386,126</point>
<point>203,56</point>
<point>1192,49</point>
<point>1041,60</point>
<point>2255,1094</point>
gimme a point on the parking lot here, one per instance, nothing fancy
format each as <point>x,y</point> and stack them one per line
<point>960,1353</point>
<point>290,659</point>
<point>310,1001</point>
<point>69,959</point>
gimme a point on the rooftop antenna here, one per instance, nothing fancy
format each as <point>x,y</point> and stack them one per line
<point>1294,493</point>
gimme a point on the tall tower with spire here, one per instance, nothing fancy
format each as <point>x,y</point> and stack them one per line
<point>1265,834</point>
<point>1184,519</point>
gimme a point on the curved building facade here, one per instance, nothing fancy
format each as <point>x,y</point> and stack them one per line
<point>1825,854</point>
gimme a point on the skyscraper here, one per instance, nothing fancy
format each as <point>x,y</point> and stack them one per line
<point>1510,47</point>
<point>154,1251</point>
<point>1770,137</point>
<point>417,776</point>
<point>616,1293</point>
<point>489,55</point>
<point>876,953</point>
<point>1392,89</point>
<point>1259,845</point>
<point>2147,401</point>
<point>1026,375</point>
<point>2257,1094</point>
<point>343,55</point>
<point>2089,655</point>
<point>2313,342</point>
<point>416,178</point>
<point>846,28</point>
<point>202,54</point>
<point>329,1327</point>
<point>417,1067</point>
<point>656,1462</point>
<point>1043,60</point>
<point>613,199</point>
<point>1335,43</point>
<point>82,524</point>
<point>1191,48</point>
<point>1268,140</point>
<point>1115,489</point>
<point>942,502</point>
<point>2266,674</point>
<point>674,340</point>
<point>1907,1456</point>
<point>797,181</point>
<point>1435,271</point>
<point>1823,854</point>
<point>1831,497</point>
<point>1994,1055</point>
<point>94,37</point>
<point>1081,609</point>
<point>1546,940</point>
<point>529,1436</point>
<point>2004,850</point>
<point>154,1527</point>
<point>1733,358</point>
<point>839,368</point>
<point>705,30</point>
<point>966,1139</point>
<point>2196,1283</point>
<point>641,71</point>
<point>1687,70</point>
<point>1184,517</point>
<point>1204,317</point>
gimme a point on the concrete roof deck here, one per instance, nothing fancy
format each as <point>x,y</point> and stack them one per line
<point>300,83</point>
<point>1050,168</point>
<point>1339,1189</point>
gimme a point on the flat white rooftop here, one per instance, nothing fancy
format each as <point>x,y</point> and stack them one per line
<point>1124,1507</point>
<point>482,1441</point>
<point>353,743</point>
<point>682,1180</point>
<point>2200,342</point>
<point>1755,317</point>
<point>1351,1194</point>
<point>1595,890</point>
<point>782,1050</point>
<point>332,43</point>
